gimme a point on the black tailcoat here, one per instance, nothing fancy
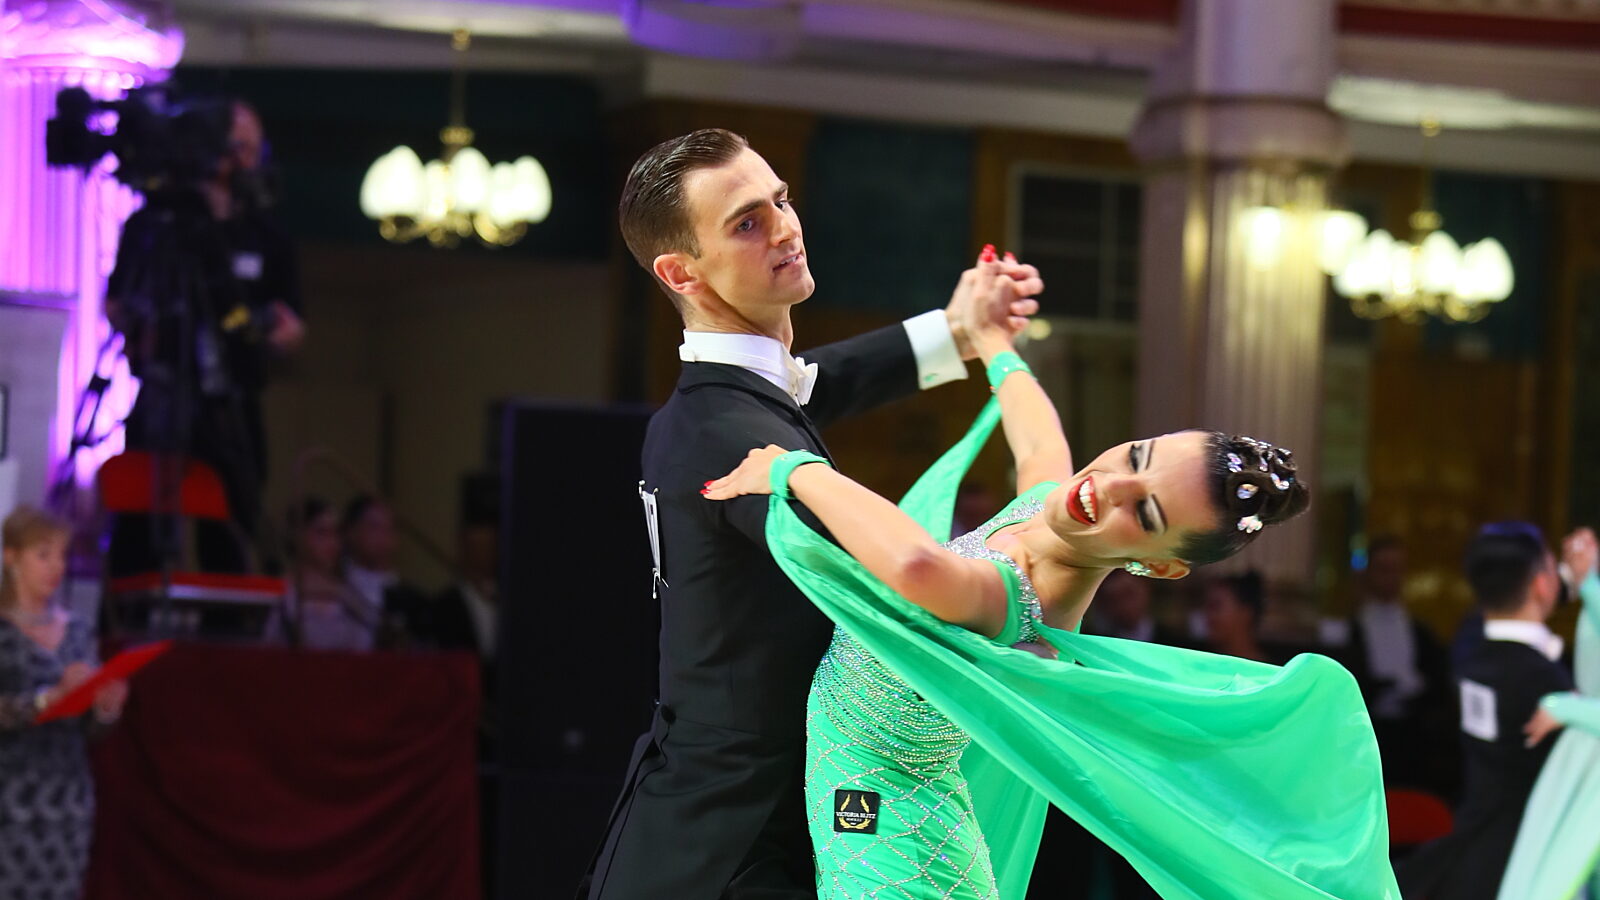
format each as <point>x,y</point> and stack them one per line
<point>713,803</point>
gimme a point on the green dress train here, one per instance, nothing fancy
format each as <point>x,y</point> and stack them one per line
<point>1217,778</point>
<point>1558,843</point>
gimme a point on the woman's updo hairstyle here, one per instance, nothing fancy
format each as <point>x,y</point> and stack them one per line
<point>1254,485</point>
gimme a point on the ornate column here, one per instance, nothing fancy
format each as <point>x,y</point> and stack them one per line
<point>58,228</point>
<point>1231,305</point>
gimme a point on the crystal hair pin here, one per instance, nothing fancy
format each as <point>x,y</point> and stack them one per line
<point>1250,524</point>
<point>1235,463</point>
<point>1281,483</point>
<point>1246,491</point>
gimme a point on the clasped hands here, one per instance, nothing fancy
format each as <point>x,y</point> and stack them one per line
<point>993,297</point>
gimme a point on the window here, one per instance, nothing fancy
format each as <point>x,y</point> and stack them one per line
<point>1082,230</point>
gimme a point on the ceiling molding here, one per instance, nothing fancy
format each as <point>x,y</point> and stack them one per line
<point>958,103</point>
<point>1002,66</point>
<point>1541,75</point>
<point>1087,114</point>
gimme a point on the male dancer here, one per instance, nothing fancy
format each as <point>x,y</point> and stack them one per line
<point>712,806</point>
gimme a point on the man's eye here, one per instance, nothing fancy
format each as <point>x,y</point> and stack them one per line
<point>746,225</point>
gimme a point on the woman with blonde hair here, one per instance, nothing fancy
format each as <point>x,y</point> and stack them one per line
<point>46,789</point>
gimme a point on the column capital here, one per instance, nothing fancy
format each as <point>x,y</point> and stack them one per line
<point>131,37</point>
<point>1263,131</point>
<point>1247,83</point>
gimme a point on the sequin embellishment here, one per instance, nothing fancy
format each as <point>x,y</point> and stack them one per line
<point>869,730</point>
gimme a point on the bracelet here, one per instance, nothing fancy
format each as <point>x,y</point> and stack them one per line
<point>1003,365</point>
<point>784,466</point>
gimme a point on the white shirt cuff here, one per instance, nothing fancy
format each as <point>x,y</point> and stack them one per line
<point>938,360</point>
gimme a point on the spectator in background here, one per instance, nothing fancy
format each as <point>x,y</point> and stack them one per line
<point>465,616</point>
<point>321,611</point>
<point>370,541</point>
<point>47,800</point>
<point>1233,606</point>
<point>1404,675</point>
<point>1513,576</point>
<point>1121,609</point>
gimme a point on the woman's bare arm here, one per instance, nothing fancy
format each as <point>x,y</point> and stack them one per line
<point>889,543</point>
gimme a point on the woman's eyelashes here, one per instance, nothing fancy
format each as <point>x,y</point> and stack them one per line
<point>1143,512</point>
<point>1138,457</point>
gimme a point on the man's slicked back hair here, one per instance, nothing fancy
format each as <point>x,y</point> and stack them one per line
<point>653,212</point>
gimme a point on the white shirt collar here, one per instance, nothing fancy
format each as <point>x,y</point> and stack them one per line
<point>1534,634</point>
<point>757,353</point>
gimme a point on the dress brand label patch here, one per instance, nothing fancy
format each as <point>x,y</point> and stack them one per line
<point>856,811</point>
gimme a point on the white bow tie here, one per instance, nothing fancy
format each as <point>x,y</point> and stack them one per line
<point>802,378</point>
<point>797,375</point>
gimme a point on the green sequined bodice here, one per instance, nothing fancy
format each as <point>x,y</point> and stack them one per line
<point>873,705</point>
<point>867,730</point>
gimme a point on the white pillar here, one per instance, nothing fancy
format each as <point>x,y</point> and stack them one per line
<point>1230,337</point>
<point>59,229</point>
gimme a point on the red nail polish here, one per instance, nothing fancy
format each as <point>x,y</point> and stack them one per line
<point>1010,257</point>
<point>988,253</point>
<point>705,491</point>
<point>708,484</point>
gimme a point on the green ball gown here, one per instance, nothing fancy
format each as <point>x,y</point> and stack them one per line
<point>933,750</point>
<point>1558,843</point>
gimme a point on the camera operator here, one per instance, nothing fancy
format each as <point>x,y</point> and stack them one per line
<point>204,366</point>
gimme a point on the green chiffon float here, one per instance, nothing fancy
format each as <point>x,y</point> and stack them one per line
<point>1217,778</point>
<point>1558,843</point>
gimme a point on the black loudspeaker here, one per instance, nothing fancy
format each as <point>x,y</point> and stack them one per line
<point>578,636</point>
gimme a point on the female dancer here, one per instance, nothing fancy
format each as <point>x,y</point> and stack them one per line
<point>932,734</point>
<point>1557,849</point>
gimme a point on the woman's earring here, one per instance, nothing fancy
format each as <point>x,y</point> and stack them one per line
<point>1135,567</point>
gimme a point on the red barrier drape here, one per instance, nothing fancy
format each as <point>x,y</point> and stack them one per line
<point>259,774</point>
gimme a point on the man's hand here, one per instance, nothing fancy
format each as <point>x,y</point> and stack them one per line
<point>974,301</point>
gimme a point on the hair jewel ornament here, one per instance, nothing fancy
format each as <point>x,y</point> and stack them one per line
<point>1135,567</point>
<point>1235,463</point>
<point>1250,524</point>
<point>1280,482</point>
<point>1246,491</point>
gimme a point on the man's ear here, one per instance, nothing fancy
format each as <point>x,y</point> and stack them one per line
<point>678,272</point>
<point>1170,569</point>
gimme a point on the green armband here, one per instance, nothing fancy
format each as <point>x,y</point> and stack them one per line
<point>1003,365</point>
<point>784,466</point>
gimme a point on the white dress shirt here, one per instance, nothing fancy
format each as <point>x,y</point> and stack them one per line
<point>938,360</point>
<point>370,584</point>
<point>1391,655</point>
<point>1535,634</point>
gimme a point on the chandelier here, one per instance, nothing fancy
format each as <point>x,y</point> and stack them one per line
<point>458,195</point>
<point>1430,275</point>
